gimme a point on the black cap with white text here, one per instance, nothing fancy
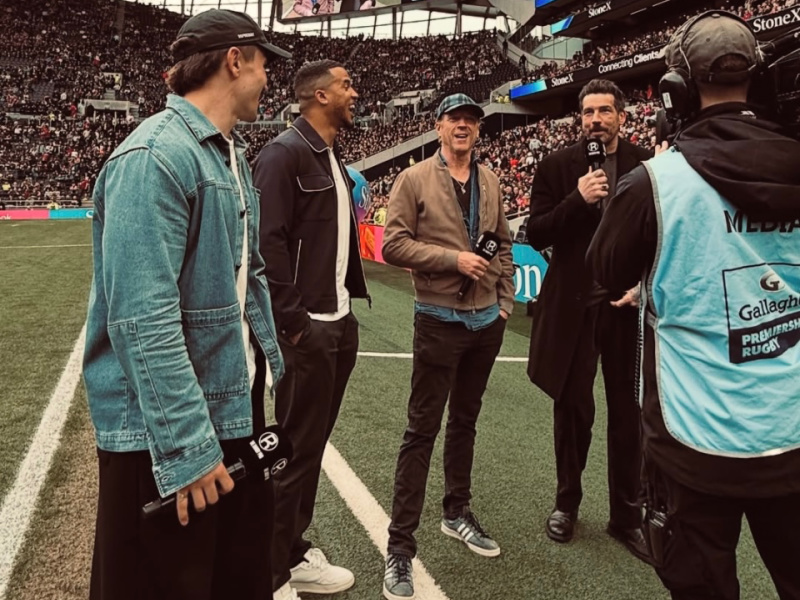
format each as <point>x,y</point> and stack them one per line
<point>219,28</point>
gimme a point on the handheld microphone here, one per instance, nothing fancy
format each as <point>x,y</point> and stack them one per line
<point>595,153</point>
<point>487,247</point>
<point>267,455</point>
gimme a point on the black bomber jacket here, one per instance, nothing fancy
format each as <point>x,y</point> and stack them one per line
<point>299,228</point>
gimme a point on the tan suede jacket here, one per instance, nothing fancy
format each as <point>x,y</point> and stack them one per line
<point>425,232</point>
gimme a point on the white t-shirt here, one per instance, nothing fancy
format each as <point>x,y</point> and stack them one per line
<point>241,275</point>
<point>343,220</point>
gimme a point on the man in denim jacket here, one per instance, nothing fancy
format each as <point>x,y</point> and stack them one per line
<point>179,327</point>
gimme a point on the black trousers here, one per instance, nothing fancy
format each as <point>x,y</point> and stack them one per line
<point>609,333</point>
<point>700,553</point>
<point>223,553</point>
<point>307,402</point>
<point>449,360</point>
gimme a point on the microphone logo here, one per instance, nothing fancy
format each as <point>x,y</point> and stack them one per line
<point>491,247</point>
<point>268,441</point>
<point>279,466</point>
<point>257,450</point>
<point>593,147</point>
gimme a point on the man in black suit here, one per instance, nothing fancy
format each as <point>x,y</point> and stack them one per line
<point>576,321</point>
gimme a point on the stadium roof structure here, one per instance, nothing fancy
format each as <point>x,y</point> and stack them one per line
<point>420,17</point>
<point>473,8</point>
<point>548,11</point>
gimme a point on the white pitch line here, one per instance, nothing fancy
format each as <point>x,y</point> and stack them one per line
<point>54,246</point>
<point>512,359</point>
<point>20,503</point>
<point>369,513</point>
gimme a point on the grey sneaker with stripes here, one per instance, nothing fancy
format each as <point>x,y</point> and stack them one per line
<point>467,529</point>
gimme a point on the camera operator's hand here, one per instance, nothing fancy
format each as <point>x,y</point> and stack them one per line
<point>593,186</point>
<point>472,265</point>
<point>662,147</point>
<point>631,297</point>
<point>203,491</point>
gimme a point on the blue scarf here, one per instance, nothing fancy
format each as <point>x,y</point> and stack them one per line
<point>473,222</point>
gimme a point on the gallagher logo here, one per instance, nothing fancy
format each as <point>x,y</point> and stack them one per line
<point>770,282</point>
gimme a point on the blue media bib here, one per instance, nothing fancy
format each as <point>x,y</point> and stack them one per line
<point>725,294</point>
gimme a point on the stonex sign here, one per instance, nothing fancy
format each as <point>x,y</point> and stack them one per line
<point>599,10</point>
<point>632,61</point>
<point>650,56</point>
<point>776,20</point>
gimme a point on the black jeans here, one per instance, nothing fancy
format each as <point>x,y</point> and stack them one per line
<point>307,402</point>
<point>700,554</point>
<point>449,360</point>
<point>610,333</point>
<point>224,552</point>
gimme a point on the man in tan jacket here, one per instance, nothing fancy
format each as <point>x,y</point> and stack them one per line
<point>437,210</point>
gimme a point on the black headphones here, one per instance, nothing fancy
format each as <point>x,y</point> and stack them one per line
<point>677,87</point>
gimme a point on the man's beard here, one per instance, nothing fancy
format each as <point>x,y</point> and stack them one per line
<point>604,135</point>
<point>346,119</point>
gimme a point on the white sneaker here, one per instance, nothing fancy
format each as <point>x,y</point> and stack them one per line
<point>286,592</point>
<point>316,575</point>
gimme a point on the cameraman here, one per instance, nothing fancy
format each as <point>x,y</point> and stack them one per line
<point>713,223</point>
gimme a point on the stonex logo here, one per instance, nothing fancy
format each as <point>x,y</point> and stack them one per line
<point>599,10</point>
<point>563,80</point>
<point>768,23</point>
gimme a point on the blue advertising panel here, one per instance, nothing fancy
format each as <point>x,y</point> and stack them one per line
<point>529,272</point>
<point>533,87</point>
<point>71,213</point>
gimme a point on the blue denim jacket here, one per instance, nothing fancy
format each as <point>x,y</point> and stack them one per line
<point>164,365</point>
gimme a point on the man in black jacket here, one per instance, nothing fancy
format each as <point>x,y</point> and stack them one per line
<point>719,247</point>
<point>575,320</point>
<point>309,239</point>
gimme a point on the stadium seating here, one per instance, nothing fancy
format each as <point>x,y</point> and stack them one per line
<point>657,34</point>
<point>55,54</point>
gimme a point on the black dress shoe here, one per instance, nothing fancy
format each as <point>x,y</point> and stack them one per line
<point>560,525</point>
<point>632,539</point>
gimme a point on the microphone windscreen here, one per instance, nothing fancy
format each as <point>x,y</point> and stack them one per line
<point>595,152</point>
<point>268,453</point>
<point>488,245</point>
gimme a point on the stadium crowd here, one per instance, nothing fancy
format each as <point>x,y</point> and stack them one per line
<point>44,161</point>
<point>660,33</point>
<point>99,55</point>
<point>515,153</point>
<point>57,159</point>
